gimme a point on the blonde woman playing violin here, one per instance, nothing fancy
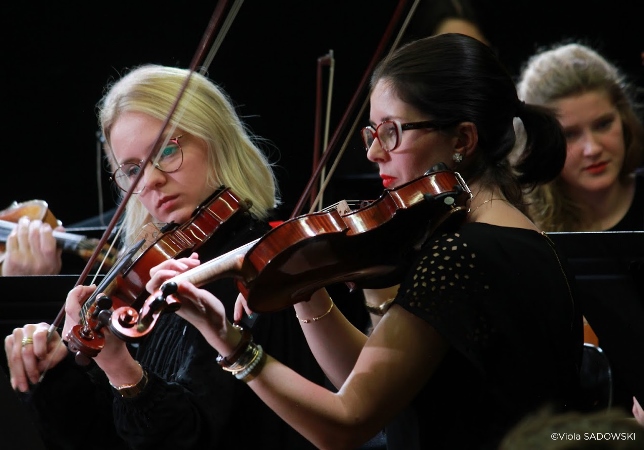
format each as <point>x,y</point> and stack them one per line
<point>168,391</point>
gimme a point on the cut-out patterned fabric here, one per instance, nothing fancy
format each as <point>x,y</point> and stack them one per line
<point>503,300</point>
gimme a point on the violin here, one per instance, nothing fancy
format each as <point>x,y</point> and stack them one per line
<point>80,245</point>
<point>366,247</point>
<point>125,283</point>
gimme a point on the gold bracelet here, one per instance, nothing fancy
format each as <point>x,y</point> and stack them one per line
<point>315,319</point>
<point>254,368</point>
<point>132,390</point>
<point>381,309</point>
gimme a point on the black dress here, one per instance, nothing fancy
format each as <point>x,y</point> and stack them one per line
<point>189,401</point>
<point>503,299</point>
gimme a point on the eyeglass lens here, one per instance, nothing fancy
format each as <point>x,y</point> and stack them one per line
<point>387,133</point>
<point>169,160</point>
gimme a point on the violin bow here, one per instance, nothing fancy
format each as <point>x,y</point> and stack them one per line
<point>213,24</point>
<point>386,37</point>
<point>326,60</point>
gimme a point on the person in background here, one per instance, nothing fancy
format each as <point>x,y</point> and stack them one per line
<point>165,391</point>
<point>475,338</point>
<point>446,16</point>
<point>600,187</point>
<point>31,249</point>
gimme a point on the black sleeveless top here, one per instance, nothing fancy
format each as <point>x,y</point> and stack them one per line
<point>634,218</point>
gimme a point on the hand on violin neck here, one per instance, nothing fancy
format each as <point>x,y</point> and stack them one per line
<point>75,299</point>
<point>241,306</point>
<point>114,355</point>
<point>169,269</point>
<point>31,249</point>
<point>206,312</point>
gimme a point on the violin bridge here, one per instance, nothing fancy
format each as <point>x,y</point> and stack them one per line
<point>343,207</point>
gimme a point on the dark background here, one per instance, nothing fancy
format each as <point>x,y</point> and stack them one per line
<point>58,57</point>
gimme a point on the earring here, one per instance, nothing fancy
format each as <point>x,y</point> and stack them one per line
<point>457,157</point>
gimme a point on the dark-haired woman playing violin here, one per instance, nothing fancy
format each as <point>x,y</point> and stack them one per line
<point>484,328</point>
<point>166,392</point>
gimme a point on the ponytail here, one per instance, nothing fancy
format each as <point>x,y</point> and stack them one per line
<point>544,154</point>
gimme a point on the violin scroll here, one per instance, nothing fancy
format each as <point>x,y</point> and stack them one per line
<point>128,324</point>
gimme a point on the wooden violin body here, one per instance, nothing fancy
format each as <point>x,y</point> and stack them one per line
<point>80,245</point>
<point>126,284</point>
<point>367,247</point>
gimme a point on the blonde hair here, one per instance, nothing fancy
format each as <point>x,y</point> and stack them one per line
<point>563,71</point>
<point>206,112</point>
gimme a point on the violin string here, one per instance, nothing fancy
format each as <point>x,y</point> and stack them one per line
<point>116,238</point>
<point>351,203</point>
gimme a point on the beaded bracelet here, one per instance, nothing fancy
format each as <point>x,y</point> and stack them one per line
<point>255,371</point>
<point>255,366</point>
<point>315,319</point>
<point>258,353</point>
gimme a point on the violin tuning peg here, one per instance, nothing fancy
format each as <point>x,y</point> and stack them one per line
<point>104,318</point>
<point>103,302</point>
<point>168,289</point>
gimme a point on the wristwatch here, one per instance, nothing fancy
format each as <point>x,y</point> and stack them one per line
<point>381,309</point>
<point>132,390</point>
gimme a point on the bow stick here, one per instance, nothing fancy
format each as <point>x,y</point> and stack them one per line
<point>386,37</point>
<point>207,38</point>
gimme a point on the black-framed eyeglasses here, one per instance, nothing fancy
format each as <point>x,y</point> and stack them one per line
<point>169,160</point>
<point>389,133</point>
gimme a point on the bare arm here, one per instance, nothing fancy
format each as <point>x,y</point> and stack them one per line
<point>378,301</point>
<point>395,362</point>
<point>334,341</point>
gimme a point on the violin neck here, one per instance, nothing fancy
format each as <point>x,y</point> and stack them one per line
<point>67,241</point>
<point>227,265</point>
